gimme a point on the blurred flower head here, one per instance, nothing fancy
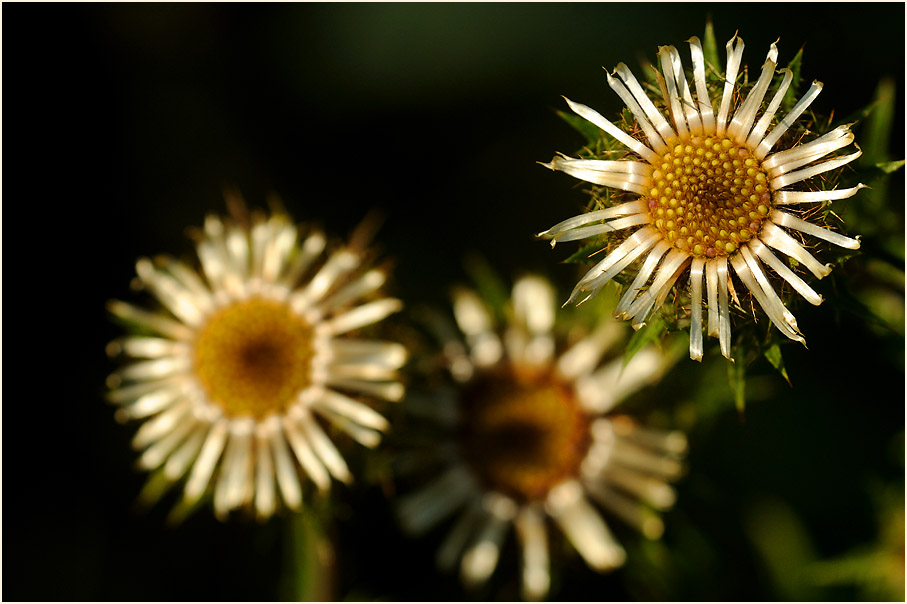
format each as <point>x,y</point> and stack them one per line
<point>526,439</point>
<point>245,365</point>
<point>716,182</point>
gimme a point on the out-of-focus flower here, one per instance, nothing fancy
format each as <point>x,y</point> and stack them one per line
<point>237,376</point>
<point>528,437</point>
<point>702,189</point>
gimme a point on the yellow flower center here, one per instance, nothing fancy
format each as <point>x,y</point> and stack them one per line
<point>253,357</point>
<point>709,195</point>
<point>523,433</point>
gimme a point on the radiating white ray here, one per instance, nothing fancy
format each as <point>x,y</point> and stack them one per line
<point>696,275</point>
<point>360,316</point>
<point>584,527</point>
<point>533,537</point>
<point>436,500</point>
<point>204,465</point>
<point>792,222</point>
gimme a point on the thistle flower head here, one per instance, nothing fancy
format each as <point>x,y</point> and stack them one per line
<point>236,378</point>
<point>528,435</point>
<point>713,186</point>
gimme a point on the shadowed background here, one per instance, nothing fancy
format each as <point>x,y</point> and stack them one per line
<point>123,123</point>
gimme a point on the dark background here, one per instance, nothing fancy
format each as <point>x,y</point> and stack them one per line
<point>124,122</point>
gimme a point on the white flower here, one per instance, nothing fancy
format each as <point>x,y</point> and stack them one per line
<point>529,436</point>
<point>233,382</point>
<point>706,191</point>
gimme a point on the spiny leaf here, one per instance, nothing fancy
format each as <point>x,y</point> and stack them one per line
<point>847,302</point>
<point>875,215</point>
<point>649,333</point>
<point>582,255</point>
<point>710,45</point>
<point>183,510</point>
<point>890,166</point>
<point>793,93</point>
<point>649,74</point>
<point>583,126</point>
<point>773,354</point>
<point>877,132</point>
<point>156,486</point>
<point>882,102</point>
<point>736,374</point>
<point>489,285</point>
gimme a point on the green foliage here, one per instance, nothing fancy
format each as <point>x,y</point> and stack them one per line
<point>874,214</point>
<point>598,143</point>
<point>875,569</point>
<point>489,284</point>
<point>773,354</point>
<point>651,333</point>
<point>876,135</point>
<point>859,306</point>
<point>307,574</point>
<point>710,47</point>
<point>889,167</point>
<point>736,375</point>
<point>590,131</point>
<point>793,92</point>
<point>584,253</point>
<point>783,546</point>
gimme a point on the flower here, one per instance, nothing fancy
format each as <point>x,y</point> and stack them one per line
<point>233,380</point>
<point>527,434</point>
<point>705,191</point>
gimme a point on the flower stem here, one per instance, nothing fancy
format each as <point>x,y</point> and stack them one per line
<point>309,572</point>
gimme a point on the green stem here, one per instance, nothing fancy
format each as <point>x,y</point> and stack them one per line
<point>309,574</point>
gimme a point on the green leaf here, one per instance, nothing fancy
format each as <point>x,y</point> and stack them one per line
<point>710,46</point>
<point>183,510</point>
<point>773,354</point>
<point>736,374</point>
<point>793,93</point>
<point>878,126</point>
<point>308,560</point>
<point>590,131</point>
<point>582,255</point>
<point>877,131</point>
<point>649,333</point>
<point>650,75</point>
<point>489,285</point>
<point>155,487</point>
<point>847,302</point>
<point>890,166</point>
<point>781,540</point>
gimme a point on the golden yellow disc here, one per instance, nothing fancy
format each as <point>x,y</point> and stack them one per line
<point>254,357</point>
<point>709,196</point>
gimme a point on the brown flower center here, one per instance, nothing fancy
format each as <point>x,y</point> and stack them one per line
<point>254,357</point>
<point>709,195</point>
<point>523,433</point>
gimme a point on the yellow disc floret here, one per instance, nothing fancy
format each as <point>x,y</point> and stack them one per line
<point>253,357</point>
<point>709,196</point>
<point>523,434</point>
